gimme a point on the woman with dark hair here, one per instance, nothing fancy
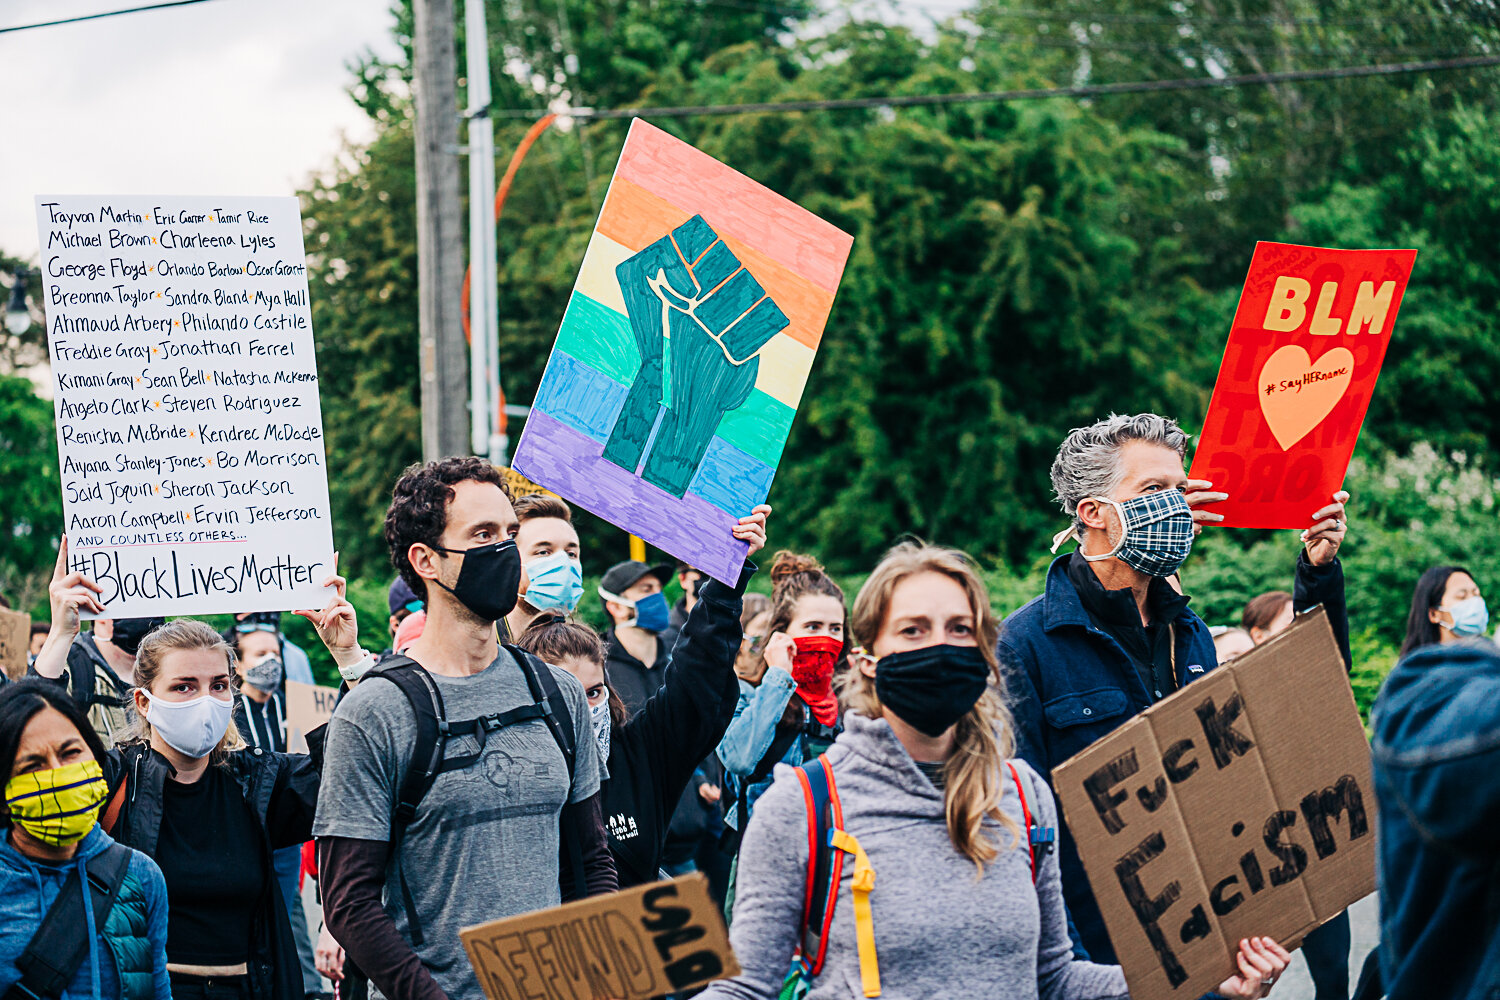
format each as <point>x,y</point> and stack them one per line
<point>54,791</point>
<point>1445,607</point>
<point>653,754</point>
<point>1267,614</point>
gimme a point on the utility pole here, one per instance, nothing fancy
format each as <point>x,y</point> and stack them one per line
<point>439,235</point>
<point>484,318</point>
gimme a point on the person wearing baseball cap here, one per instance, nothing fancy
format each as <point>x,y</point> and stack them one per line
<point>403,602</point>
<point>637,658</point>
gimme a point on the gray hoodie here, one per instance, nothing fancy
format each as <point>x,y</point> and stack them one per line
<point>939,931</point>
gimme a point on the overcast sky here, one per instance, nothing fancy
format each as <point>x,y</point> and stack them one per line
<point>228,97</point>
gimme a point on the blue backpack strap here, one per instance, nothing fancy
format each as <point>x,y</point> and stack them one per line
<point>1039,839</point>
<point>825,864</point>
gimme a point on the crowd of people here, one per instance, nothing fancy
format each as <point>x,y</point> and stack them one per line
<point>503,757</point>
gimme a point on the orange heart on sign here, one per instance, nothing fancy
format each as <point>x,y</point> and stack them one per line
<point>1298,394</point>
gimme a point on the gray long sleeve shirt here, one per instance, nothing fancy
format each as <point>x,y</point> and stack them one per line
<point>939,931</point>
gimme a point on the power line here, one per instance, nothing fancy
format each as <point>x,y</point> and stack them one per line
<point>101,14</point>
<point>968,7</point>
<point>997,96</point>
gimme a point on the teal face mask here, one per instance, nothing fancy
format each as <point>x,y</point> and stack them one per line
<point>556,583</point>
<point>1470,616</point>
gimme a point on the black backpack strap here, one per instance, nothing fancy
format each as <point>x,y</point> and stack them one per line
<point>545,691</point>
<point>560,721</point>
<point>427,750</point>
<point>60,944</point>
<point>81,677</point>
<point>426,761</point>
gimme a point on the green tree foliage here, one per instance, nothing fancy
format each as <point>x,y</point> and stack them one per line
<point>1018,269</point>
<point>30,494</point>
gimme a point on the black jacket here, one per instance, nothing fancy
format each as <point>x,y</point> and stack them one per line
<point>282,792</point>
<point>632,680</point>
<point>652,757</point>
<point>1324,585</point>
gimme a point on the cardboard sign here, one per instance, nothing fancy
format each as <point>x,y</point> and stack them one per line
<point>308,706</point>
<point>188,424</point>
<point>1240,805</point>
<point>1303,355</point>
<point>655,939</point>
<point>683,352</point>
<point>15,641</point>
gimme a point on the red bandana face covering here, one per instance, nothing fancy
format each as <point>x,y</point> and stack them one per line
<point>812,669</point>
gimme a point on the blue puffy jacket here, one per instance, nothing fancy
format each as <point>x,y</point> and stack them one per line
<point>1069,684</point>
<point>128,961</point>
<point>1437,754</point>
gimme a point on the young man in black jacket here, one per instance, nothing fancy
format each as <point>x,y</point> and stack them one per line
<point>653,754</point>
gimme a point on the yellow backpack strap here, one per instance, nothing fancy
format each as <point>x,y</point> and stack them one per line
<point>864,921</point>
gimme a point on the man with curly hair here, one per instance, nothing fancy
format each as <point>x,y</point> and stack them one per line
<point>481,844</point>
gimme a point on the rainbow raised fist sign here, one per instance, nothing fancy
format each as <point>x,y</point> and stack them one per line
<point>683,352</point>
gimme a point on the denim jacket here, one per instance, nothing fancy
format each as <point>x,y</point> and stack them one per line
<point>1069,684</point>
<point>751,734</point>
<point>1436,753</point>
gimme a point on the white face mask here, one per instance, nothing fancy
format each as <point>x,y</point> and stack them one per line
<point>190,727</point>
<point>599,716</point>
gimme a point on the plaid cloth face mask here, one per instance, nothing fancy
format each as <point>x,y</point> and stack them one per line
<point>1158,532</point>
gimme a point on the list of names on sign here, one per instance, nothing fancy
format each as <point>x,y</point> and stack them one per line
<point>186,393</point>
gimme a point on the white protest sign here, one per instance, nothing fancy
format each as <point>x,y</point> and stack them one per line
<point>188,426</point>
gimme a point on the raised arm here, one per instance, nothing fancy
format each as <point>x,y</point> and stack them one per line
<point>1320,576</point>
<point>688,716</point>
<point>68,593</point>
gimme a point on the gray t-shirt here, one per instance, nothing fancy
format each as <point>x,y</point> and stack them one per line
<point>484,842</point>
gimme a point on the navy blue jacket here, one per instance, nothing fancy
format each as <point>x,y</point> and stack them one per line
<point>1437,752</point>
<point>1069,684</point>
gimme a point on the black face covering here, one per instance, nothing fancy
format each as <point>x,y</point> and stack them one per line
<point>129,632</point>
<point>489,579</point>
<point>933,687</point>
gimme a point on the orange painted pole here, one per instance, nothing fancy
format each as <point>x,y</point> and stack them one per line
<point>532,135</point>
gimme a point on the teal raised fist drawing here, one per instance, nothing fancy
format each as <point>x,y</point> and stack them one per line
<point>690,288</point>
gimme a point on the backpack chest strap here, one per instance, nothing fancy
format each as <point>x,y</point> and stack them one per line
<point>479,730</point>
<point>864,919</point>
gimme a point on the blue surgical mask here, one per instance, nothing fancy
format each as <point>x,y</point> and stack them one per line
<point>1157,532</point>
<point>1470,616</point>
<point>555,583</point>
<point>652,613</point>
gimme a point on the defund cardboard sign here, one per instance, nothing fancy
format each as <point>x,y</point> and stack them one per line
<point>1240,805</point>
<point>654,939</point>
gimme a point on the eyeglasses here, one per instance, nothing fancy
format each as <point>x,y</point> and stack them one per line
<point>244,627</point>
<point>753,642</point>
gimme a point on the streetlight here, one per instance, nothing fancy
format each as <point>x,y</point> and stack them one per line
<point>17,316</point>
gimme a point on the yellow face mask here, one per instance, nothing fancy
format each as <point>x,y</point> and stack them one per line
<point>57,806</point>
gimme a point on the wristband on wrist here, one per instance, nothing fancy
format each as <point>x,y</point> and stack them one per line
<point>359,668</point>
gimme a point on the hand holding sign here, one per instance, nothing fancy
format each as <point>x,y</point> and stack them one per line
<point>1261,961</point>
<point>70,592</point>
<point>1330,524</point>
<point>1198,493</point>
<point>752,529</point>
<point>337,624</point>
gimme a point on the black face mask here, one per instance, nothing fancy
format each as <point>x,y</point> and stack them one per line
<point>489,580</point>
<point>933,687</point>
<point>129,632</point>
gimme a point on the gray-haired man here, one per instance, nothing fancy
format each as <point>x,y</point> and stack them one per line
<point>1110,635</point>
